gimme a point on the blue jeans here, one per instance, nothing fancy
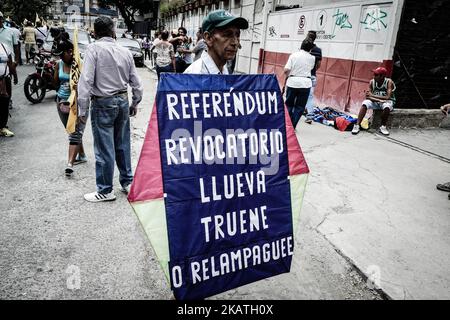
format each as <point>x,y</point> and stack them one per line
<point>159,70</point>
<point>296,99</point>
<point>310,103</point>
<point>110,119</point>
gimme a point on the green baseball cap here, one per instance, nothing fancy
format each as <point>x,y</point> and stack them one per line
<point>222,18</point>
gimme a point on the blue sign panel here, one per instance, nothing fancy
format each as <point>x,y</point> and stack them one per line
<point>225,179</point>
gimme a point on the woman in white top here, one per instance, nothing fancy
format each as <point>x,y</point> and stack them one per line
<point>298,80</point>
<point>165,56</point>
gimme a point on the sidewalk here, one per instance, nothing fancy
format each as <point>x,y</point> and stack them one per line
<point>148,65</point>
<point>375,200</point>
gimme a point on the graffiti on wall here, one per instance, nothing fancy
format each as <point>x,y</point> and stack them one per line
<point>375,19</point>
<point>272,32</point>
<point>342,20</point>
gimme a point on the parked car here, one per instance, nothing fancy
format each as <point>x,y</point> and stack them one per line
<point>84,40</point>
<point>135,48</point>
<point>123,33</point>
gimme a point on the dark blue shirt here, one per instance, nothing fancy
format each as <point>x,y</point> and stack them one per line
<point>317,53</point>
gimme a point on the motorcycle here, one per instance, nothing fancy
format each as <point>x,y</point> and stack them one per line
<point>38,83</point>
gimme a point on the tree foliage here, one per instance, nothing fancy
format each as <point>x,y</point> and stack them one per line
<point>18,10</point>
<point>129,8</point>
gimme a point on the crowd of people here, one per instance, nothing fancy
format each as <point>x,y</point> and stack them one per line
<point>170,51</point>
<point>32,35</point>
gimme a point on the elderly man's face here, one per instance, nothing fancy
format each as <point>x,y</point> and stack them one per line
<point>224,43</point>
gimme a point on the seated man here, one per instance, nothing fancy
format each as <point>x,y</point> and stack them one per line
<point>379,96</point>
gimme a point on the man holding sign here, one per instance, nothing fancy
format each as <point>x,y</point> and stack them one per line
<point>221,176</point>
<point>222,32</point>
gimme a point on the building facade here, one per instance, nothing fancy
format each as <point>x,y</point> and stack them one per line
<point>81,12</point>
<point>355,36</point>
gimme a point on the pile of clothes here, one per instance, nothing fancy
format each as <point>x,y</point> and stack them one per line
<point>331,117</point>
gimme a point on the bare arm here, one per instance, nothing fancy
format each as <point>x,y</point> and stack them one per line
<point>173,40</point>
<point>195,49</point>
<point>172,56</point>
<point>287,72</point>
<point>318,64</point>
<point>17,53</point>
<point>56,76</point>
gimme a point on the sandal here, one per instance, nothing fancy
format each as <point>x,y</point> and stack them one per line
<point>444,187</point>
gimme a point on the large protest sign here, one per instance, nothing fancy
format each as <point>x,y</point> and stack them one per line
<point>220,181</point>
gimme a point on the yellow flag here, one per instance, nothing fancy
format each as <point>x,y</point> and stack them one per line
<point>75,72</point>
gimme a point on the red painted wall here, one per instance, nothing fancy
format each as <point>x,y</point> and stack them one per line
<point>340,83</point>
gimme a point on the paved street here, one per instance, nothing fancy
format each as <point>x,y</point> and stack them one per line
<point>370,206</point>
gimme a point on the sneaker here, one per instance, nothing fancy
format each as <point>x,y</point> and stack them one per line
<point>98,197</point>
<point>383,130</point>
<point>444,187</point>
<point>308,121</point>
<point>126,189</point>
<point>69,170</point>
<point>80,159</point>
<point>6,132</point>
<point>355,129</point>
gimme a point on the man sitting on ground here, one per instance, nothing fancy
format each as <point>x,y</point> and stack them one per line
<point>380,96</point>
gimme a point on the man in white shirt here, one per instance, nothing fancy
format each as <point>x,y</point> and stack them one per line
<point>17,49</point>
<point>41,34</point>
<point>8,37</point>
<point>298,80</point>
<point>222,32</point>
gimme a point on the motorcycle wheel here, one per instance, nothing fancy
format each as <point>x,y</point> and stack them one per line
<point>34,88</point>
